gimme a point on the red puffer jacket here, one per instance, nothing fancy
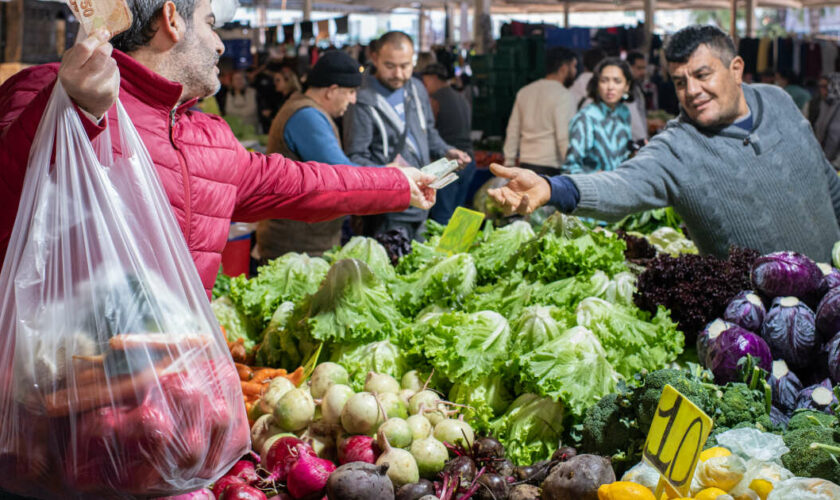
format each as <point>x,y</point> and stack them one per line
<point>209,177</point>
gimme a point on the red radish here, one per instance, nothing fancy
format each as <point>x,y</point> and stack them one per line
<point>202,494</point>
<point>281,496</point>
<point>308,477</point>
<point>358,449</point>
<point>222,484</point>
<point>242,491</point>
<point>282,456</point>
<point>245,470</point>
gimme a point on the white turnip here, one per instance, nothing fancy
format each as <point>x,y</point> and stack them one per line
<point>325,376</point>
<point>393,406</point>
<point>397,431</point>
<point>420,426</point>
<point>277,388</point>
<point>402,466</point>
<point>263,428</point>
<point>430,455</point>
<point>430,404</point>
<point>405,396</point>
<point>333,402</point>
<point>456,432</point>
<point>295,410</point>
<point>361,414</point>
<point>413,380</point>
<point>381,383</point>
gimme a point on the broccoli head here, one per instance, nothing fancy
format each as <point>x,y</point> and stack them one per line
<point>608,427</point>
<point>646,397</point>
<point>739,404</point>
<point>812,453</point>
<point>802,419</point>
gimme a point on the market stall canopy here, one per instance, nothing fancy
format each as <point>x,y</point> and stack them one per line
<point>535,6</point>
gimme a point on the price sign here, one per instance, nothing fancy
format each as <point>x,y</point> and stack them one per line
<point>677,435</point>
<point>461,231</point>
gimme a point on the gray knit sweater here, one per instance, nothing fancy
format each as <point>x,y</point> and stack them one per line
<point>771,189</point>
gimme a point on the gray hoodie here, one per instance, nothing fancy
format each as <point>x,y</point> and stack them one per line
<point>769,189</point>
<point>372,131</point>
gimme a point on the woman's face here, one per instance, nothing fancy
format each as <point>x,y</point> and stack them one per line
<point>280,82</point>
<point>239,82</point>
<point>612,85</point>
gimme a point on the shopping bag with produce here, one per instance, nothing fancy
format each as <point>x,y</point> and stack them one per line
<point>115,380</point>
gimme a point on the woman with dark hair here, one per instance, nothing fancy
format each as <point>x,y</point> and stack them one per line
<point>600,134</point>
<point>827,128</point>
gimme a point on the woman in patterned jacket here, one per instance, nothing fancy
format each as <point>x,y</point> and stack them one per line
<point>599,134</point>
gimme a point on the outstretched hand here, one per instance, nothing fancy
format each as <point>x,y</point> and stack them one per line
<point>422,196</point>
<point>525,191</point>
<point>90,75</point>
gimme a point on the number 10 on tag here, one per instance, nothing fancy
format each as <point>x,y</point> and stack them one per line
<point>677,435</point>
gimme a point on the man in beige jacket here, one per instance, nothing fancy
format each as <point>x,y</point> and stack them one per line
<point>538,130</point>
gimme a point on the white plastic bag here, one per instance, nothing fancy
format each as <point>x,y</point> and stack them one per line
<point>114,376</point>
<point>751,443</point>
<point>805,489</point>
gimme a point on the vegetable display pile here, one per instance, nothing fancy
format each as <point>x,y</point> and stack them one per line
<point>547,316</point>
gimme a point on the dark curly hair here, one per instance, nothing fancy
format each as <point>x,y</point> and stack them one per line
<point>592,86</point>
<point>685,41</point>
<point>145,14</point>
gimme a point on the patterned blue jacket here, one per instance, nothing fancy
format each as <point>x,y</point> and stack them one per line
<point>598,139</point>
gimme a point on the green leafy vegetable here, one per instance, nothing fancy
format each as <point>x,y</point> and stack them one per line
<point>446,283</point>
<point>632,342</point>
<point>423,254</point>
<point>486,399</point>
<point>494,252</point>
<point>538,325</point>
<point>530,429</point>
<point>369,251</point>
<point>237,325</point>
<point>279,347</point>
<point>222,285</point>
<point>287,278</point>
<point>573,367</point>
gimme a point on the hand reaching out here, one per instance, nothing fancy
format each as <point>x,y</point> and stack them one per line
<point>422,196</point>
<point>525,191</point>
<point>461,157</point>
<point>90,75</point>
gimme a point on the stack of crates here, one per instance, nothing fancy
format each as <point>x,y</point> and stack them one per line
<point>499,76</point>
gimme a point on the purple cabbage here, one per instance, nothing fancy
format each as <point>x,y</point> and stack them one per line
<point>819,397</point>
<point>709,335</point>
<point>790,332</point>
<point>785,386</point>
<point>828,314</point>
<point>746,310</point>
<point>833,350</point>
<point>729,347</point>
<point>778,418</point>
<point>831,278</point>
<point>781,274</point>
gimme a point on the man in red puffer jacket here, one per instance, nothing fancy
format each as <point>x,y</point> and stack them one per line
<point>158,69</point>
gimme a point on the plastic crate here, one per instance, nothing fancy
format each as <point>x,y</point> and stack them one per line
<point>508,59</point>
<point>481,64</point>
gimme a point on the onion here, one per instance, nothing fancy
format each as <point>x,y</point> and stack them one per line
<point>308,477</point>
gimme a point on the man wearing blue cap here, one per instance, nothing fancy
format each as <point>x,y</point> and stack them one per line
<point>304,130</point>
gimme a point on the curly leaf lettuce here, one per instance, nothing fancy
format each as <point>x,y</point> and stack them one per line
<point>530,429</point>
<point>538,325</point>
<point>447,283</point>
<point>287,278</point>
<point>632,341</point>
<point>369,251</point>
<point>485,400</point>
<point>498,247</point>
<point>507,298</point>
<point>279,347</point>
<point>573,368</point>
<point>352,305</point>
<point>235,323</point>
<point>463,347</point>
<point>380,357</point>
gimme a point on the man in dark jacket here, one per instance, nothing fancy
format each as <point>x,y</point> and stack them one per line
<point>392,121</point>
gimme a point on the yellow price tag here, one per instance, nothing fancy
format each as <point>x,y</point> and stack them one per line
<point>677,435</point>
<point>461,231</point>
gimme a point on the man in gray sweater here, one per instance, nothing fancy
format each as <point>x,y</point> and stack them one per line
<point>740,164</point>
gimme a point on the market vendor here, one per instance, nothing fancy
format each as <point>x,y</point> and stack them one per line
<point>159,68</point>
<point>740,164</point>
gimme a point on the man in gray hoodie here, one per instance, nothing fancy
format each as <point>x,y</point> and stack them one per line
<point>740,164</point>
<point>392,122</point>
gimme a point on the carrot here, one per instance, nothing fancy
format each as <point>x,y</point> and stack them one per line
<point>266,374</point>
<point>252,389</point>
<point>245,372</point>
<point>296,376</point>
